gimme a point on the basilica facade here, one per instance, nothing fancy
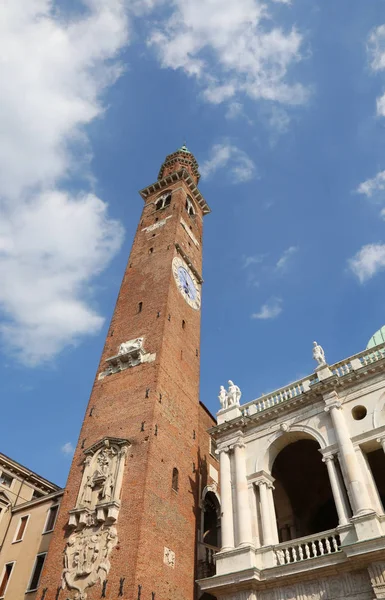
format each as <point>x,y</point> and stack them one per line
<point>303,486</point>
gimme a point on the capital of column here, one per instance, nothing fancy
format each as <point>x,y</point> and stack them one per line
<point>327,458</point>
<point>332,400</point>
<point>237,444</point>
<point>225,449</point>
<point>261,479</point>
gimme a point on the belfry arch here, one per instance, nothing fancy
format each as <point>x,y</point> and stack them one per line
<point>303,498</point>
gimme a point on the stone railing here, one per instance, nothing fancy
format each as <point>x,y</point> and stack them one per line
<point>268,400</point>
<point>206,560</point>
<point>340,369</point>
<point>321,544</point>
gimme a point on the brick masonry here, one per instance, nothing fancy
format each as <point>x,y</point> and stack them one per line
<point>152,515</point>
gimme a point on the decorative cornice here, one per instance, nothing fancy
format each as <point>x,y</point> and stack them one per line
<point>107,441</point>
<point>184,175</point>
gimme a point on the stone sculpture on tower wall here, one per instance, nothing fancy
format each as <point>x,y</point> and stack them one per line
<point>88,549</point>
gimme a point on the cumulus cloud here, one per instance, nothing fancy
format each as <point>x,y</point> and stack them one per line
<point>376,48</point>
<point>372,186</point>
<point>232,49</point>
<point>368,261</point>
<point>270,310</point>
<point>238,164</point>
<point>67,449</point>
<point>53,242</point>
<point>283,261</point>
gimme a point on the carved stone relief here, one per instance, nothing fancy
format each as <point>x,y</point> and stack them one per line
<point>86,558</point>
<point>86,555</point>
<point>130,354</point>
<point>347,586</point>
<point>355,586</point>
<point>169,557</point>
<point>377,578</point>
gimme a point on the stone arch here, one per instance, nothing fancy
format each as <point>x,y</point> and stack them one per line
<point>283,437</point>
<point>303,499</point>
<point>379,411</point>
<point>211,517</point>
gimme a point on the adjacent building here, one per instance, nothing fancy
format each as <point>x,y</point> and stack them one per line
<point>28,509</point>
<point>303,487</point>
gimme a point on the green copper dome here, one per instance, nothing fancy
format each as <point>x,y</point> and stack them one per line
<point>184,149</point>
<point>377,338</point>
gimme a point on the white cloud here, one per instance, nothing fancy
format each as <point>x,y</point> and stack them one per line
<point>371,186</point>
<point>270,310</point>
<point>283,261</point>
<point>238,164</point>
<point>52,242</point>
<point>67,449</point>
<point>368,261</point>
<point>252,260</point>
<point>232,48</point>
<point>376,47</point>
<point>235,110</point>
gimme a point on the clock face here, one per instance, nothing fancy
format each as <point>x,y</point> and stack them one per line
<point>186,282</point>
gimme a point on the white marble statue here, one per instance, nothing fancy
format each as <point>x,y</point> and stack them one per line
<point>319,354</point>
<point>223,397</point>
<point>131,345</point>
<point>233,395</point>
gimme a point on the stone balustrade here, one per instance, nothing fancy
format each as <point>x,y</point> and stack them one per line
<point>277,397</point>
<point>206,560</point>
<point>321,544</point>
<point>340,369</point>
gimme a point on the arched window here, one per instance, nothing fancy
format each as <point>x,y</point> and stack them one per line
<point>163,201</point>
<point>190,207</point>
<point>175,479</point>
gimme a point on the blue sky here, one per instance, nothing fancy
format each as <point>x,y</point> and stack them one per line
<point>283,105</point>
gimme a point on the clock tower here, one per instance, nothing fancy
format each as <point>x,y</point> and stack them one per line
<point>129,520</point>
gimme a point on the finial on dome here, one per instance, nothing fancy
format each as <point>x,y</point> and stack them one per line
<point>184,148</point>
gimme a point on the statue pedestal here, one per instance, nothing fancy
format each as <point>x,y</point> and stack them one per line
<point>323,372</point>
<point>229,413</point>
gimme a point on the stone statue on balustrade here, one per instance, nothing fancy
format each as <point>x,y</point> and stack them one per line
<point>223,397</point>
<point>319,355</point>
<point>231,397</point>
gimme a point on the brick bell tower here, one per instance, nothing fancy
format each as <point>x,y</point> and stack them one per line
<point>127,525</point>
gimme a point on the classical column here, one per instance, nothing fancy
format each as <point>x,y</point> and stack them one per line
<point>267,534</point>
<point>359,494</point>
<point>242,499</point>
<point>273,516</point>
<point>227,525</point>
<point>343,518</point>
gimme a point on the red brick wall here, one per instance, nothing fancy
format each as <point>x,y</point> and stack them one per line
<point>152,515</point>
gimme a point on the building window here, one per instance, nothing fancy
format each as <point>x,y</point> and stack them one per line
<point>21,529</point>
<point>140,306</point>
<point>183,324</point>
<point>51,518</point>
<point>6,480</point>
<point>190,207</point>
<point>36,494</point>
<point>175,479</point>
<point>5,578</point>
<point>163,201</point>
<point>37,569</point>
